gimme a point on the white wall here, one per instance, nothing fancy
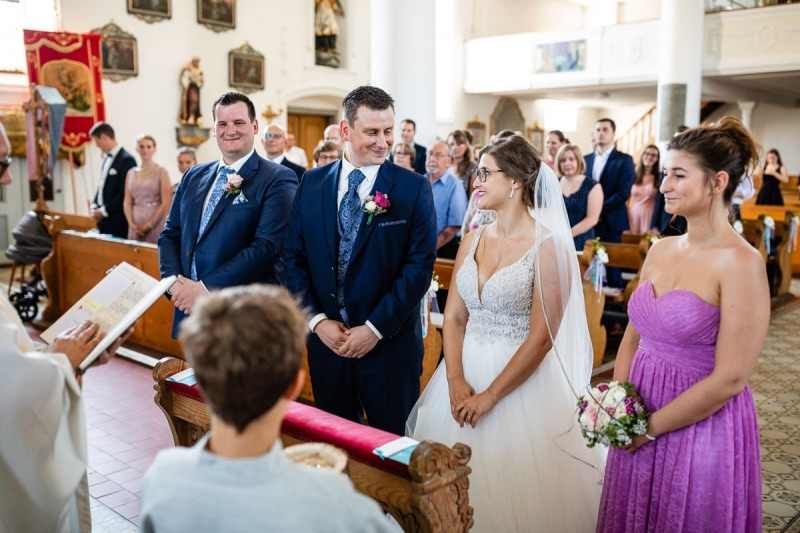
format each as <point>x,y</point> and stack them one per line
<point>149,103</point>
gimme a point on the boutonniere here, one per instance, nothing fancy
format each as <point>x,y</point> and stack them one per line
<point>234,185</point>
<point>376,205</point>
<point>112,172</point>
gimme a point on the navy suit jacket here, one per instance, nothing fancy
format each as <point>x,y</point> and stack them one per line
<point>294,167</point>
<point>390,266</point>
<point>242,243</point>
<point>114,195</point>
<point>616,180</point>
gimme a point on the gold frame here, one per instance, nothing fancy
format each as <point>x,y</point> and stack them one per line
<point>503,104</point>
<point>247,58</point>
<point>150,15</point>
<point>536,136</point>
<point>478,130</point>
<point>114,35</point>
<point>216,24</point>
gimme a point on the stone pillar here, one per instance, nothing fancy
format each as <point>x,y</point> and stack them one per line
<point>746,107</point>
<point>403,60</point>
<point>681,75</point>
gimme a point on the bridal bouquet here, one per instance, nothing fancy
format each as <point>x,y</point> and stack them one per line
<point>611,414</point>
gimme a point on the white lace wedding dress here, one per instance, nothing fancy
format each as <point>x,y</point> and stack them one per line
<point>525,476</point>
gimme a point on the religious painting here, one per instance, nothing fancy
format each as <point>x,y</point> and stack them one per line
<point>478,131</point>
<point>567,56</point>
<point>246,69</point>
<point>507,116</point>
<point>217,15</point>
<point>150,10</point>
<point>536,136</point>
<point>119,53</point>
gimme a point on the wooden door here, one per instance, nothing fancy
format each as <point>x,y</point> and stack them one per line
<point>308,131</point>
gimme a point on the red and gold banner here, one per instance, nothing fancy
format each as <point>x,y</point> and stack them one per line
<point>70,62</point>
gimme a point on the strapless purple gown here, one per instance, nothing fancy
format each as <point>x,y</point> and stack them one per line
<point>704,477</point>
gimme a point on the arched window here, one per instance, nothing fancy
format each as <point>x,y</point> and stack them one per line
<point>16,15</point>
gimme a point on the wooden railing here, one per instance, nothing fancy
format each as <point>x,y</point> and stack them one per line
<point>638,136</point>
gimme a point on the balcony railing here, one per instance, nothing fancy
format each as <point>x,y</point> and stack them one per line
<point>713,6</point>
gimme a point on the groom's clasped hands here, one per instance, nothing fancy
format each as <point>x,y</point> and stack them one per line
<point>352,343</point>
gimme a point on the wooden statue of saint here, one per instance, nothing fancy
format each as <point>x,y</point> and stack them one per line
<point>191,82</point>
<point>326,30</point>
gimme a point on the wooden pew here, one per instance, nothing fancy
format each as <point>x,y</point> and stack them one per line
<point>778,264</point>
<point>627,256</point>
<point>595,303</point>
<point>78,261</point>
<point>444,269</point>
<point>751,211</point>
<point>428,495</point>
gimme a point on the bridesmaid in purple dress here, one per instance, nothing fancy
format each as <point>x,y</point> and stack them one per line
<point>148,194</point>
<point>697,326</point>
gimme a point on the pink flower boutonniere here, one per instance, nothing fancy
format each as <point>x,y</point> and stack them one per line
<point>377,205</point>
<point>234,185</point>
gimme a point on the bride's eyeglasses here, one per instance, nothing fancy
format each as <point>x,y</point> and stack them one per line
<point>484,173</point>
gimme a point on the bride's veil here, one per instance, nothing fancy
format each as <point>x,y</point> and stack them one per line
<point>565,316</point>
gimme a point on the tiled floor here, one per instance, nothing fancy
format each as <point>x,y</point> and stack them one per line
<point>125,431</point>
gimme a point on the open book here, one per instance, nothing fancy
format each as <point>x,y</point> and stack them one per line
<point>115,303</point>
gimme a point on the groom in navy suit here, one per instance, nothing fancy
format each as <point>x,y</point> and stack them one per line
<point>228,218</point>
<point>362,270</point>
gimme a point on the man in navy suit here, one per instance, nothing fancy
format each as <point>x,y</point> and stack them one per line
<point>363,277</point>
<point>228,218</point>
<point>408,130</point>
<point>615,173</point>
<point>106,206</point>
<point>274,142</point>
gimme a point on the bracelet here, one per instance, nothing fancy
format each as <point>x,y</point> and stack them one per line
<point>650,437</point>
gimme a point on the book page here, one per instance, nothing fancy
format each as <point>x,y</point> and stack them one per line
<point>115,303</point>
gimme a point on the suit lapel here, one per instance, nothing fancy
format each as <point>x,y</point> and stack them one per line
<point>248,171</point>
<point>330,211</point>
<point>383,183</point>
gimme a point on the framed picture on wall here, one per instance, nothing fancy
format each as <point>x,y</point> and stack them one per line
<point>119,52</point>
<point>217,15</point>
<point>246,69</point>
<point>150,10</point>
<point>478,130</point>
<point>536,136</point>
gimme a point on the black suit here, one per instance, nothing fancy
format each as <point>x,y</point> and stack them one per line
<point>294,167</point>
<point>114,196</point>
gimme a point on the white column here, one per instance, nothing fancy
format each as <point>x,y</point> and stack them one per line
<point>681,75</point>
<point>746,107</point>
<point>402,60</point>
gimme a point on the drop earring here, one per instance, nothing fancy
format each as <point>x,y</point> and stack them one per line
<point>512,192</point>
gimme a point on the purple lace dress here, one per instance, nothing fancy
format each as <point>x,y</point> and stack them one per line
<point>704,477</point>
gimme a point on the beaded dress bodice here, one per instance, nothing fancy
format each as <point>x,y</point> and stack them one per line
<point>502,311</point>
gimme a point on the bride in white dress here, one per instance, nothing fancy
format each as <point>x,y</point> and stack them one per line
<point>517,349</point>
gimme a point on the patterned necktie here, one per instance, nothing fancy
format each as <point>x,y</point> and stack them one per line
<point>216,195</point>
<point>349,220</point>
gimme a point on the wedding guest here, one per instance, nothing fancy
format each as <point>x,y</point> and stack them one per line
<point>516,343</point>
<point>773,173</point>
<point>404,155</point>
<point>332,134</point>
<point>107,204</point>
<point>187,158</point>
<point>583,197</point>
<point>644,189</point>
<point>697,327</point>
<point>294,153</point>
<point>327,152</point>
<point>148,193</point>
<point>246,345</point>
<point>555,140</point>
<point>463,165</point>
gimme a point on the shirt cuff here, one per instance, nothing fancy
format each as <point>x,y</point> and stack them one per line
<point>374,330</point>
<point>316,320</point>
<point>102,209</point>
<point>204,286</point>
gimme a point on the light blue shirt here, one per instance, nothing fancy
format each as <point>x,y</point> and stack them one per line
<point>449,200</point>
<point>192,489</point>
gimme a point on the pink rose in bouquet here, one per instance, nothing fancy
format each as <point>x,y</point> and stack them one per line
<point>611,414</point>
